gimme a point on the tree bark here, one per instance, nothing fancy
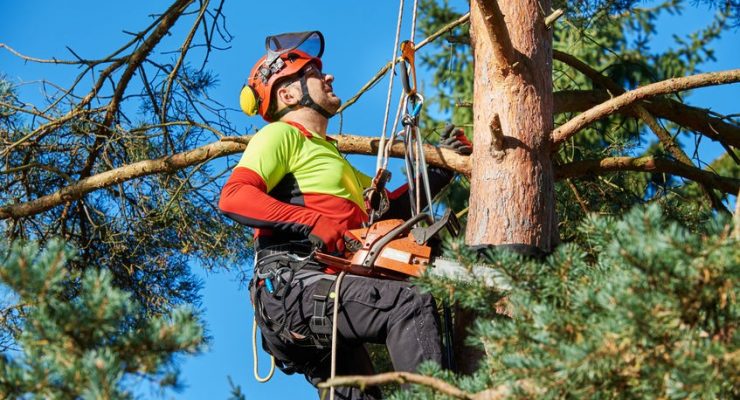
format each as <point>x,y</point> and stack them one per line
<point>512,199</point>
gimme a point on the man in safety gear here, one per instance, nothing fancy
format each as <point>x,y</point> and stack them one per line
<point>294,187</point>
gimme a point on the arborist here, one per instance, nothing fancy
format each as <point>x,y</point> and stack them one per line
<point>299,194</point>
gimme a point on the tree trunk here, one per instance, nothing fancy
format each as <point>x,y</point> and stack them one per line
<point>512,199</point>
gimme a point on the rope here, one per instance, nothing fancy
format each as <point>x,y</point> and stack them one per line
<point>413,20</point>
<point>389,144</point>
<point>383,70</point>
<point>335,317</point>
<point>254,354</point>
<point>390,87</point>
<point>382,160</point>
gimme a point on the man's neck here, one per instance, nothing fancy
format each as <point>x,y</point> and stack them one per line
<point>310,119</point>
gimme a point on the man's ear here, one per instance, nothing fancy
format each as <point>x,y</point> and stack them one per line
<point>288,95</point>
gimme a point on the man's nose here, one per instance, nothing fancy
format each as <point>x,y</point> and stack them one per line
<point>328,78</point>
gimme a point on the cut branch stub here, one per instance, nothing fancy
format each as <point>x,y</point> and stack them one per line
<point>497,139</point>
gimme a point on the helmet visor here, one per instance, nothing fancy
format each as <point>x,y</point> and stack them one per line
<point>312,43</point>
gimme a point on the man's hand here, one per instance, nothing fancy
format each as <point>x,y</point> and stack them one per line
<point>454,139</point>
<point>329,236</point>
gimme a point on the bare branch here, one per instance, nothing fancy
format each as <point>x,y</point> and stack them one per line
<point>612,106</point>
<point>400,378</point>
<point>349,144</point>
<point>696,119</point>
<point>647,164</point>
<point>134,61</point>
<point>183,52</point>
<point>669,144</point>
<point>38,60</point>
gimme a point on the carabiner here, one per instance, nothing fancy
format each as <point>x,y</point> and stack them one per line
<point>416,101</point>
<point>407,54</point>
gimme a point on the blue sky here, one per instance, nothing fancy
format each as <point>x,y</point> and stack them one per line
<point>359,39</point>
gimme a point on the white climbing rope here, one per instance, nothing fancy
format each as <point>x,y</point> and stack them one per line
<point>335,317</point>
<point>254,355</point>
<point>381,145</point>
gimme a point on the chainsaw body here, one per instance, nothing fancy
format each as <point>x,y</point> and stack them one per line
<point>393,248</point>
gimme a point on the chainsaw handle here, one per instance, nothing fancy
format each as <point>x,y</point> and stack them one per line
<point>449,221</point>
<point>377,247</point>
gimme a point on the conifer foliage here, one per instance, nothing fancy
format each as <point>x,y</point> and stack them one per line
<point>80,336</point>
<point>641,308</point>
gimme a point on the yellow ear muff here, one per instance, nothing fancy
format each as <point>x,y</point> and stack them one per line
<point>248,101</point>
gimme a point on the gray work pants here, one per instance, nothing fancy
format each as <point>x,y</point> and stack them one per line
<point>371,311</point>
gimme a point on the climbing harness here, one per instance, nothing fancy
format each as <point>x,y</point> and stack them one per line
<point>320,324</point>
<point>274,273</point>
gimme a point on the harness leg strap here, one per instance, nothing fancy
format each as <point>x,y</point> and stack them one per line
<point>320,324</point>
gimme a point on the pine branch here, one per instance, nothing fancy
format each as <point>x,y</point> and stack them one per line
<point>438,385</point>
<point>229,145</point>
<point>612,106</point>
<point>183,52</point>
<point>105,179</point>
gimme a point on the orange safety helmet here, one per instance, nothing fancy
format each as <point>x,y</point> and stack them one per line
<point>287,55</point>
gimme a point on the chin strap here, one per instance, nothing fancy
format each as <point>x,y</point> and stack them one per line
<point>306,101</point>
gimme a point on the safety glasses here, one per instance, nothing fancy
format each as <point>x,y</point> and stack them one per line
<point>312,71</point>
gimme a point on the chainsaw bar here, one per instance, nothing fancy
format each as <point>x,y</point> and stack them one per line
<point>452,269</point>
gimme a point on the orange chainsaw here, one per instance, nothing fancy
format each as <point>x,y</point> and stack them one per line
<point>393,248</point>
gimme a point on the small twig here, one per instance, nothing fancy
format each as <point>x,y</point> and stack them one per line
<point>736,218</point>
<point>183,52</point>
<point>580,201</point>
<point>38,60</point>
